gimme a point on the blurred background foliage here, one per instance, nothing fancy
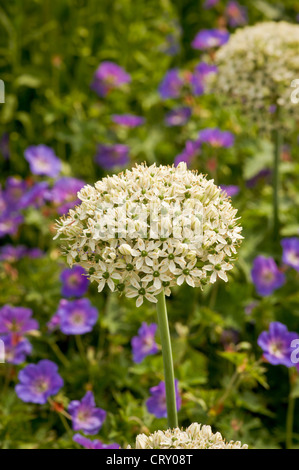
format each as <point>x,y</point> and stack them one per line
<point>49,51</point>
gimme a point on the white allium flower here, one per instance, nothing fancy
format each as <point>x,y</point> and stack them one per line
<point>256,68</point>
<point>152,228</point>
<point>196,436</point>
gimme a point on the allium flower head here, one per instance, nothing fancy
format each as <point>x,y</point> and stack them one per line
<point>156,404</point>
<point>74,282</point>
<point>107,77</point>
<point>43,161</point>
<point>38,382</point>
<point>208,38</point>
<point>76,317</point>
<point>144,344</point>
<point>196,436</point>
<point>152,228</point>
<point>255,71</point>
<point>95,444</point>
<point>85,415</point>
<point>266,275</point>
<point>276,344</point>
<point>290,255</point>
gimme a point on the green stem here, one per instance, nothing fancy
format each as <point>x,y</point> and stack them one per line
<point>80,348</point>
<point>167,361</point>
<point>277,140</point>
<point>290,415</point>
<point>59,354</point>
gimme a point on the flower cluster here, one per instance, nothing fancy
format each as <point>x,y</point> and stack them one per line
<point>152,228</point>
<point>256,68</point>
<point>195,436</point>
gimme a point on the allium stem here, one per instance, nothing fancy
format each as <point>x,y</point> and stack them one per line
<point>167,361</point>
<point>277,140</point>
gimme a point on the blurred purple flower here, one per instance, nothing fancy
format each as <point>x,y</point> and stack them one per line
<point>4,146</point>
<point>74,282</point>
<point>171,85</point>
<point>17,320</point>
<point>178,116</point>
<point>77,317</point>
<point>36,196</point>
<point>16,351</point>
<point>38,382</point>
<point>261,175</point>
<point>172,46</point>
<point>276,344</point>
<point>250,307</point>
<point>111,156</point>
<point>230,190</point>
<point>210,4</point>
<point>15,188</point>
<point>64,193</point>
<point>266,276</point>
<point>9,223</point>
<point>128,120</point>
<point>216,138</point>
<point>290,255</point>
<point>156,404</point>
<point>107,77</point>
<point>12,253</point>
<point>85,415</point>
<point>43,161</point>
<point>95,444</point>
<point>144,344</point>
<point>200,76</point>
<point>191,150</point>
<point>208,38</point>
<point>236,14</point>
<point>229,337</point>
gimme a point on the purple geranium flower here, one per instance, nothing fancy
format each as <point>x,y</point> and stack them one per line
<point>12,253</point>
<point>191,150</point>
<point>290,255</point>
<point>85,415</point>
<point>42,160</point>
<point>38,382</point>
<point>266,276</point>
<point>207,38</point>
<point>107,77</point>
<point>76,316</point>
<point>95,444</point>
<point>236,14</point>
<point>74,282</point>
<point>16,351</point>
<point>64,193</point>
<point>261,175</point>
<point>128,120</point>
<point>276,344</point>
<point>178,116</point>
<point>216,138</point>
<point>15,188</point>
<point>210,4</point>
<point>17,320</point>
<point>200,76</point>
<point>156,404</point>
<point>144,344</point>
<point>36,196</point>
<point>111,156</point>
<point>9,223</point>
<point>171,85</point>
<point>230,190</point>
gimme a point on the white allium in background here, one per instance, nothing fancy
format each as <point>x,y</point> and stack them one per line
<point>143,250</point>
<point>256,68</point>
<point>195,436</point>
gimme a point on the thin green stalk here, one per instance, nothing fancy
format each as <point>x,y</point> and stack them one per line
<point>59,354</point>
<point>277,141</point>
<point>167,361</point>
<point>80,347</point>
<point>290,415</point>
